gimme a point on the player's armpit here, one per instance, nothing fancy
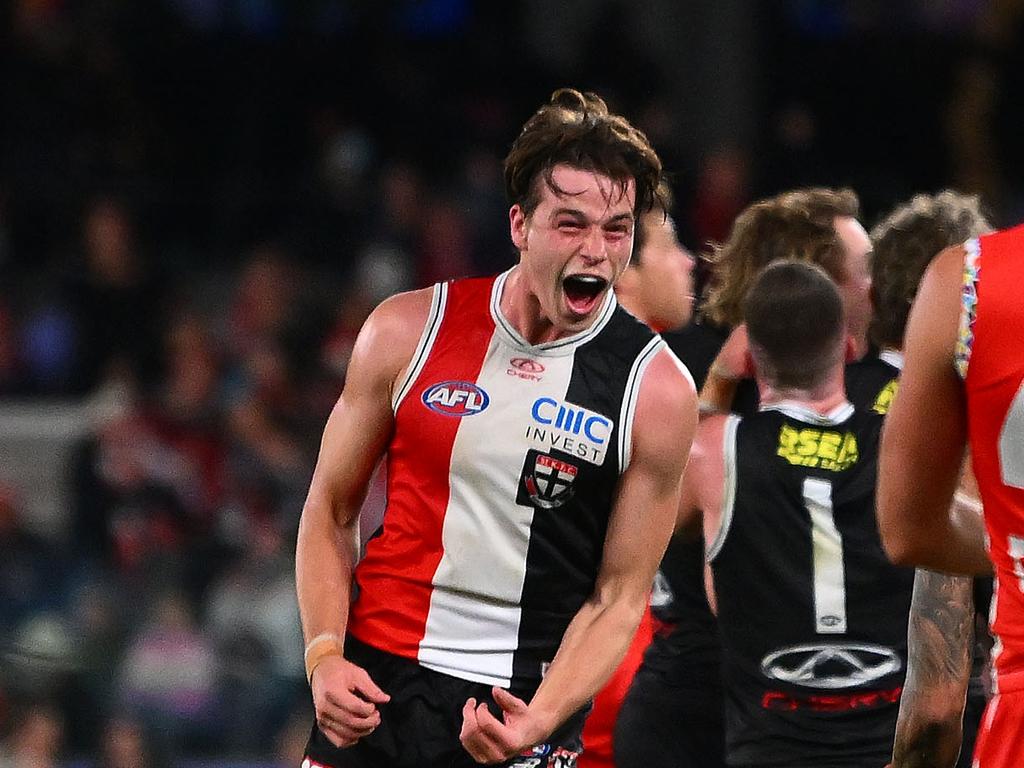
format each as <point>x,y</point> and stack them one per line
<point>940,636</point>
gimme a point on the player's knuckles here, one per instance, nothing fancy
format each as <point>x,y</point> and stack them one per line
<point>356,707</point>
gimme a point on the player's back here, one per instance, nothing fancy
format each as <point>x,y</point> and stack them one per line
<point>994,382</point>
<point>812,614</point>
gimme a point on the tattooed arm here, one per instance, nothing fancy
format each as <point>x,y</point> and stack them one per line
<point>939,638</point>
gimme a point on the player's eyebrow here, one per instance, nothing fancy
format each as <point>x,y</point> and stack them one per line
<point>578,214</point>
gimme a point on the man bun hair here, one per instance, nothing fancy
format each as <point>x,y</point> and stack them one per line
<point>578,130</point>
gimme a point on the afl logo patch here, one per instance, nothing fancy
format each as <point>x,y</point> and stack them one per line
<point>455,398</point>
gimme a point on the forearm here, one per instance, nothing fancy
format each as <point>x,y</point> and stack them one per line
<point>953,542</point>
<point>939,637</point>
<point>592,648</point>
<point>325,557</point>
<point>718,393</point>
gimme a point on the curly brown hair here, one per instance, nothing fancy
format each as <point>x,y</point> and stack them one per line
<point>797,225</point>
<point>576,129</point>
<point>905,242</point>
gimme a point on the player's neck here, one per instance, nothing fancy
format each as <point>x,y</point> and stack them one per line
<point>823,399</point>
<point>524,312</point>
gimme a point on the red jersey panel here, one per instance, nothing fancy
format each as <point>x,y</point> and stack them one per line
<point>994,269</point>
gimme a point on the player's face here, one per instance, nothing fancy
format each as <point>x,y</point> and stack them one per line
<point>855,286</point>
<point>665,272</point>
<point>575,244</point>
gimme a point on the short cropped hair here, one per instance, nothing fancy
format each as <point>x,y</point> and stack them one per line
<point>795,324</point>
<point>905,242</point>
<point>796,225</point>
<point>576,129</point>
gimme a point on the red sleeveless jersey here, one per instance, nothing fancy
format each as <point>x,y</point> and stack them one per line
<point>994,380</point>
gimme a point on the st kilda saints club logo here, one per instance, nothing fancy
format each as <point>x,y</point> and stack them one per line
<point>546,482</point>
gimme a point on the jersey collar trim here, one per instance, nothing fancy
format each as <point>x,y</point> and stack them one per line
<point>801,412</point>
<point>554,348</point>
<point>893,357</point>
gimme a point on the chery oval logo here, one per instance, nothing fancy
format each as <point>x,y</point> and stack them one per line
<point>831,666</point>
<point>527,365</point>
<point>456,398</point>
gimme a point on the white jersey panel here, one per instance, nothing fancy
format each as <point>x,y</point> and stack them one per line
<point>474,613</point>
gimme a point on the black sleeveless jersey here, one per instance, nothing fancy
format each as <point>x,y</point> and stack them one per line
<point>871,383</point>
<point>812,615</point>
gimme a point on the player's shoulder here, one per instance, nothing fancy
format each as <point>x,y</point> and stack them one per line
<point>666,410</point>
<point>390,334</point>
<point>403,312</point>
<point>667,383</point>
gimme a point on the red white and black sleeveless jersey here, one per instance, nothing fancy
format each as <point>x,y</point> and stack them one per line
<point>502,471</point>
<point>990,355</point>
<point>812,615</point>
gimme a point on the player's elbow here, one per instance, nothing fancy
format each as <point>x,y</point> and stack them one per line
<point>902,545</point>
<point>897,529</point>
<point>900,548</point>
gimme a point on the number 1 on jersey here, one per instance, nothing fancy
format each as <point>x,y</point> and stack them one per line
<point>827,563</point>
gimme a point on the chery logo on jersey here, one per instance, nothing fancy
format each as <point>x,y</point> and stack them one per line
<point>525,368</point>
<point>831,666</point>
<point>456,398</point>
<point>570,428</point>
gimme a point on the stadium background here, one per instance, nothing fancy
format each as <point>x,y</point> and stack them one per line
<point>200,200</point>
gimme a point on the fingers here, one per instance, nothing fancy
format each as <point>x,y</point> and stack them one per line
<point>350,703</point>
<point>344,712</point>
<point>347,718</point>
<point>484,737</point>
<point>339,734</point>
<point>363,684</point>
<point>508,703</point>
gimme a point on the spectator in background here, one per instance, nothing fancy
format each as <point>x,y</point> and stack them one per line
<point>116,302</point>
<point>35,740</point>
<point>252,616</point>
<point>32,576</point>
<point>124,744</point>
<point>154,478</point>
<point>169,675</point>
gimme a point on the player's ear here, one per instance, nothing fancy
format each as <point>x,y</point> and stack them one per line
<point>517,226</point>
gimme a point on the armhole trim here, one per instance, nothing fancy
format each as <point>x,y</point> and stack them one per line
<point>438,301</point>
<point>628,412</point>
<point>968,307</point>
<point>729,489</point>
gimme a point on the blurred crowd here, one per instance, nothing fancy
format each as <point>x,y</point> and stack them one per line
<point>190,238</point>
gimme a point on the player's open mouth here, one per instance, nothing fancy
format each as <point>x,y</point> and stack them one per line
<point>582,292</point>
